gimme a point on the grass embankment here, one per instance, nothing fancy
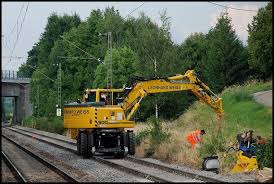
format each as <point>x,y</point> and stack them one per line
<point>53,124</point>
<point>241,113</point>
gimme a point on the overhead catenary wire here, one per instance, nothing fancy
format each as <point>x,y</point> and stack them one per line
<point>16,23</point>
<point>78,47</point>
<point>18,33</point>
<point>134,10</point>
<point>232,7</point>
<point>39,72</point>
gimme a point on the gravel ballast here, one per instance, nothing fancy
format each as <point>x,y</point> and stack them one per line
<point>95,172</point>
<point>242,177</point>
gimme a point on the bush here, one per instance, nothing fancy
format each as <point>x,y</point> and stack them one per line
<point>49,124</point>
<point>215,145</point>
<point>155,134</point>
<point>28,121</point>
<point>264,154</point>
<point>140,136</point>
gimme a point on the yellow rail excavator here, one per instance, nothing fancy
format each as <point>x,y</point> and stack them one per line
<point>99,120</point>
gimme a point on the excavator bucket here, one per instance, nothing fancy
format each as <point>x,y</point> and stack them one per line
<point>244,163</point>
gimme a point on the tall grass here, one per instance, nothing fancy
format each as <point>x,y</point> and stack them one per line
<point>241,113</point>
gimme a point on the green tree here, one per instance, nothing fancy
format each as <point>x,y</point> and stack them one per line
<point>39,62</point>
<point>226,62</point>
<point>192,53</point>
<point>260,43</point>
<point>123,60</point>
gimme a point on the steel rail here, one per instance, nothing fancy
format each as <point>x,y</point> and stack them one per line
<point>133,159</point>
<point>61,173</point>
<point>17,174</point>
<point>173,170</point>
<point>58,139</point>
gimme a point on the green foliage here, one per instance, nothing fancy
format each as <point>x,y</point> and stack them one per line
<point>214,145</point>
<point>123,60</point>
<point>264,154</point>
<point>157,133</point>
<point>218,56</point>
<point>51,124</point>
<point>28,121</point>
<point>242,111</point>
<point>226,56</point>
<point>193,52</point>
<point>260,42</point>
<point>141,136</point>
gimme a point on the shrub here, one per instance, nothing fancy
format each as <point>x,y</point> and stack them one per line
<point>140,136</point>
<point>264,154</point>
<point>155,135</point>
<point>214,145</point>
<point>49,124</point>
<point>156,132</point>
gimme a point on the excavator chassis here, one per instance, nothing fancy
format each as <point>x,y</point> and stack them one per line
<point>115,142</point>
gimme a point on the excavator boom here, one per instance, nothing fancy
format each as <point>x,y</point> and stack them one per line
<point>187,82</point>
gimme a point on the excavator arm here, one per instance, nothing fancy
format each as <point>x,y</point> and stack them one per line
<point>187,82</point>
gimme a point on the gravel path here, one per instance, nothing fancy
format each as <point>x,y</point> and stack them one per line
<point>96,172</point>
<point>264,97</point>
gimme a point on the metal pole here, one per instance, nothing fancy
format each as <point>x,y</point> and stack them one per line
<point>60,70</point>
<point>156,106</point>
<point>37,101</point>
<point>59,82</point>
<point>109,61</point>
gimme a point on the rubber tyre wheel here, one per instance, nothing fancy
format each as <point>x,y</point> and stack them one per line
<point>79,144</point>
<point>131,143</point>
<point>85,145</point>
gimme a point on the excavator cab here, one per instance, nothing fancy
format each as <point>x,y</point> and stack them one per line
<point>106,96</point>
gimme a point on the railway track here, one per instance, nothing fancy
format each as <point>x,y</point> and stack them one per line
<point>28,166</point>
<point>9,171</point>
<point>152,171</point>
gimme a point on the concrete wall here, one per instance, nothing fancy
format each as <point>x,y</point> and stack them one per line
<point>21,92</point>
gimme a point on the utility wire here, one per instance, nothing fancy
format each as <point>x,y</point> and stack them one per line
<point>17,19</point>
<point>17,57</point>
<point>64,57</point>
<point>78,47</point>
<point>232,7</point>
<point>39,72</point>
<point>134,10</point>
<point>19,33</point>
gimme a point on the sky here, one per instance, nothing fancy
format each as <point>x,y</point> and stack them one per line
<point>185,17</point>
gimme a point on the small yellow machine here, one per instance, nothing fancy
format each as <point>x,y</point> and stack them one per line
<point>99,120</point>
<point>244,163</point>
